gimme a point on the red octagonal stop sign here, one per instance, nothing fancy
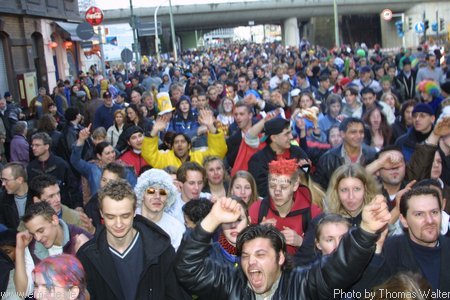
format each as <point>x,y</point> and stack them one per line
<point>94,16</point>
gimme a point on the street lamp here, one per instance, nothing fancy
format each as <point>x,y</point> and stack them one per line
<point>172,32</point>
<point>133,26</point>
<point>172,29</point>
<point>336,23</point>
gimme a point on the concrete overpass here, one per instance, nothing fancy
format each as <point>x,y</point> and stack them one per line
<point>359,20</point>
<point>211,16</point>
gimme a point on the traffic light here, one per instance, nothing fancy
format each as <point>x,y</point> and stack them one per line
<point>427,24</point>
<point>399,26</point>
<point>410,23</point>
<point>441,24</point>
<point>434,26</point>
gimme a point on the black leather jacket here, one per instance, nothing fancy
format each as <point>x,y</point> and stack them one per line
<point>333,159</point>
<point>202,276</point>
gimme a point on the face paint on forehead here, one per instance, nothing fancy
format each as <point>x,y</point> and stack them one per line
<point>279,180</point>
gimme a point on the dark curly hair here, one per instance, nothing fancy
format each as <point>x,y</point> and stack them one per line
<point>197,209</point>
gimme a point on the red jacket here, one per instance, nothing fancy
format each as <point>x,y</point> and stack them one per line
<point>294,220</point>
<point>134,160</point>
<point>243,156</point>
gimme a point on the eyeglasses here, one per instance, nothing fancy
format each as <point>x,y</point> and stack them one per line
<point>152,191</point>
<point>6,180</point>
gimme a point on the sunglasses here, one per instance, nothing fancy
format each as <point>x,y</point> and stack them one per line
<point>152,191</point>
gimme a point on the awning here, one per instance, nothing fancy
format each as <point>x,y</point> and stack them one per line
<point>71,29</point>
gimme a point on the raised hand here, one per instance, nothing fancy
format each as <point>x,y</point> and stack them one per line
<point>341,117</point>
<point>292,238</point>
<point>272,114</point>
<point>85,133</point>
<point>224,210</point>
<point>400,193</point>
<point>442,127</point>
<point>214,198</point>
<point>23,239</point>
<point>375,215</point>
<point>80,240</point>
<point>206,117</point>
<point>87,222</point>
<point>392,160</point>
<point>160,124</point>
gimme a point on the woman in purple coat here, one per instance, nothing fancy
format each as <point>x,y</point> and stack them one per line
<point>19,147</point>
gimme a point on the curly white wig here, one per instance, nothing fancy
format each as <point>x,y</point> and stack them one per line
<point>155,178</point>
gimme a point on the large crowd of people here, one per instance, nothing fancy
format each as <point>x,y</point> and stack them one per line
<point>251,171</point>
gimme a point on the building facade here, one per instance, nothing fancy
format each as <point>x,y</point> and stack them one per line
<point>38,45</point>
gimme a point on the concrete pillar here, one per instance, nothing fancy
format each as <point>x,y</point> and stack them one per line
<point>46,31</point>
<point>389,37</point>
<point>291,36</point>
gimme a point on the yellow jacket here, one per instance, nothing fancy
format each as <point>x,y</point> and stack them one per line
<point>160,159</point>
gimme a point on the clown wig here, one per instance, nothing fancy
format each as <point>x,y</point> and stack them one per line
<point>430,87</point>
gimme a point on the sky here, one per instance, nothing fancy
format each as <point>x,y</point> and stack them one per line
<point>108,4</point>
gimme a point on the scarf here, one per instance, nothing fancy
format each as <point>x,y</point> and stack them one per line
<point>226,245</point>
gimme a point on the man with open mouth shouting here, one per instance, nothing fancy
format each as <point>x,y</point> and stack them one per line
<point>264,272</point>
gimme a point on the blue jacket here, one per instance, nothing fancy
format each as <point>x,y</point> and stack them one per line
<point>104,116</point>
<point>220,255</point>
<point>188,126</point>
<point>92,171</point>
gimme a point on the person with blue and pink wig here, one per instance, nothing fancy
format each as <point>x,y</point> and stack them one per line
<point>60,277</point>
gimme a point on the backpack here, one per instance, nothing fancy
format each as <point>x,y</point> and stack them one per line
<point>305,212</point>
